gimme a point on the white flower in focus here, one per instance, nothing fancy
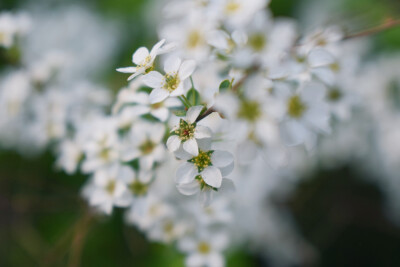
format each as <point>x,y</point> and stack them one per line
<point>144,143</point>
<point>188,132</point>
<point>203,173</point>
<point>205,249</point>
<point>144,60</point>
<point>174,83</point>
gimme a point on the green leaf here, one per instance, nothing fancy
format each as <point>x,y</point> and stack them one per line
<point>194,97</point>
<point>179,112</point>
<point>225,85</point>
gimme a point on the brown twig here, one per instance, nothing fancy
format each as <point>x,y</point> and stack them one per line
<point>388,24</point>
<point>79,240</point>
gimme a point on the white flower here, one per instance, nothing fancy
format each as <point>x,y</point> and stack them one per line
<point>70,154</point>
<point>138,184</point>
<point>173,83</point>
<point>187,133</point>
<point>145,143</point>
<point>139,104</point>
<point>204,191</point>
<point>144,60</point>
<point>203,173</point>
<point>306,114</point>
<point>168,229</point>
<point>107,189</point>
<point>205,249</point>
<point>153,211</point>
<point>102,148</point>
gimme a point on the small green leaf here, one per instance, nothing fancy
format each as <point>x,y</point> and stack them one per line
<point>179,112</point>
<point>225,85</point>
<point>194,97</point>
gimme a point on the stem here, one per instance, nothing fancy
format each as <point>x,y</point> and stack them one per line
<point>187,101</point>
<point>191,81</point>
<point>388,23</point>
<point>184,102</point>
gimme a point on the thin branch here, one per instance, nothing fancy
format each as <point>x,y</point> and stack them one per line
<point>388,24</point>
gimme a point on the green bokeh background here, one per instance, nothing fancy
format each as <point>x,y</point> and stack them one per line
<point>44,222</point>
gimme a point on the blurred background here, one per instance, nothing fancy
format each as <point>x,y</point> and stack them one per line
<point>340,211</point>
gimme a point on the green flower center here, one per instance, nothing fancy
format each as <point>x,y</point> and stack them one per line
<point>157,105</point>
<point>105,154</point>
<point>334,95</point>
<point>172,82</point>
<point>110,188</point>
<point>186,130</point>
<point>203,247</point>
<point>168,228</point>
<point>232,7</point>
<point>249,110</point>
<point>257,42</point>
<point>203,160</point>
<point>147,147</point>
<point>138,189</point>
<point>295,107</point>
<point>194,39</point>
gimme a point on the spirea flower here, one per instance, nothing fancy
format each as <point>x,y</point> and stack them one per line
<point>173,83</point>
<point>144,60</point>
<point>188,132</point>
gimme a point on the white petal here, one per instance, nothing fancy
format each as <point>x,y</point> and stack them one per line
<point>178,91</point>
<point>157,132</point>
<point>191,147</point>
<point>140,55</point>
<point>318,118</point>
<point>130,154</point>
<point>206,197</point>
<point>225,171</point>
<point>193,113</point>
<point>320,57</point>
<point>172,64</point>
<point>127,70</point>
<point>187,69</point>
<point>185,173</point>
<point>221,158</point>
<point>135,75</point>
<point>212,176</point>
<point>173,143</point>
<point>313,92</point>
<point>216,260</point>
<point>189,189</point>
<point>212,121</point>
<point>195,260</point>
<point>158,95</point>
<point>156,47</point>
<point>160,113</point>
<point>293,132</point>
<point>202,132</point>
<point>153,79</point>
<point>146,162</point>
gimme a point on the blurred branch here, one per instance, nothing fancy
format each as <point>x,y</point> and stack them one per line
<point>78,240</point>
<point>388,24</point>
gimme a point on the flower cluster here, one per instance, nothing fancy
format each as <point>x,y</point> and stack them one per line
<point>225,111</point>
